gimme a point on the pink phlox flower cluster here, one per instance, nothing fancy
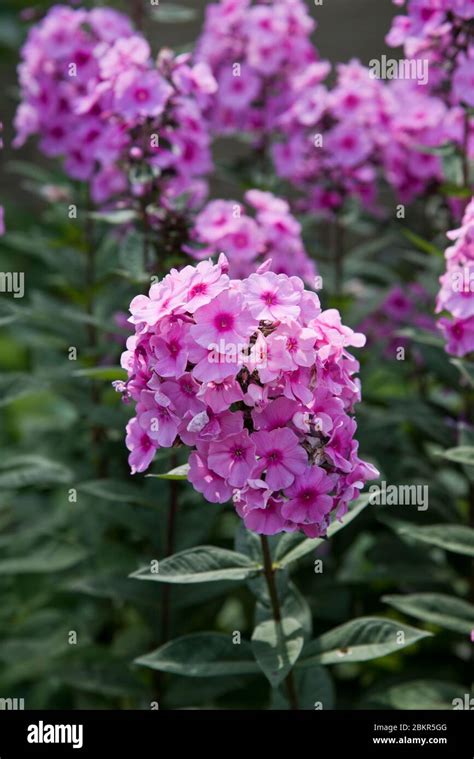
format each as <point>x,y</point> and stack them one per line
<point>272,232</point>
<point>440,33</point>
<point>254,49</point>
<point>334,138</point>
<point>456,296</point>
<point>258,382</point>
<point>418,123</point>
<point>122,121</point>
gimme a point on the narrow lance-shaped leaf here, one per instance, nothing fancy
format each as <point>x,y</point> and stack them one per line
<point>178,473</point>
<point>436,608</point>
<point>201,564</point>
<point>203,655</point>
<point>451,537</point>
<point>360,640</point>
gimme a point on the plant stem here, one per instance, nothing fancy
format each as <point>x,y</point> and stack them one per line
<point>170,541</point>
<point>137,13</point>
<point>275,602</point>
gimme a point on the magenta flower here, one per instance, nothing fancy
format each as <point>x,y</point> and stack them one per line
<point>141,447</point>
<point>139,94</point>
<point>223,323</point>
<point>280,457</point>
<point>273,297</point>
<point>233,458</point>
<point>308,500</point>
<point>456,296</point>
<point>171,352</point>
<point>214,488</point>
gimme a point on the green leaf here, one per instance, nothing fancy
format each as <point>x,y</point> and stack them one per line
<point>202,655</point>
<point>314,687</point>
<point>276,647</point>
<point>360,640</point>
<point>131,255</point>
<point>464,454</point>
<point>418,694</point>
<point>51,557</point>
<point>110,490</point>
<point>171,13</point>
<point>451,537</point>
<point>104,373</point>
<point>445,611</point>
<point>122,216</point>
<point>179,473</point>
<point>294,605</point>
<point>31,470</point>
<point>293,547</point>
<point>424,245</point>
<point>201,564</point>
<point>455,191</point>
<point>466,369</point>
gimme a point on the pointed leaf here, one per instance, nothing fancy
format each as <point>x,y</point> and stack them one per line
<point>442,610</point>
<point>360,640</point>
<point>202,655</point>
<point>451,537</point>
<point>201,564</point>
<point>277,646</point>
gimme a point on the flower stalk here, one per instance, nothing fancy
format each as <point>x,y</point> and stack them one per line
<point>269,572</point>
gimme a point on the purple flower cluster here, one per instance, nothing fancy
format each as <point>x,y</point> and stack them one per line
<point>440,32</point>
<point>255,379</point>
<point>404,306</point>
<point>332,138</point>
<point>225,226</point>
<point>456,296</point>
<point>123,122</point>
<point>254,50</point>
<point>342,141</point>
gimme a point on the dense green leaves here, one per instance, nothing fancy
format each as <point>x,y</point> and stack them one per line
<point>202,564</point>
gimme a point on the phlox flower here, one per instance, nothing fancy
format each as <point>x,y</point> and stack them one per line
<point>262,390</point>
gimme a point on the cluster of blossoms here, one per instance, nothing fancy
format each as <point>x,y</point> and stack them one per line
<point>456,296</point>
<point>224,226</point>
<point>122,121</point>
<point>254,50</point>
<point>441,33</point>
<point>418,123</point>
<point>407,306</point>
<point>339,142</point>
<point>257,381</point>
<point>331,138</point>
